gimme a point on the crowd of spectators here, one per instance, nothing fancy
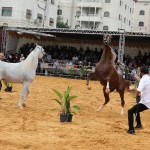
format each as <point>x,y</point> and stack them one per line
<point>74,56</point>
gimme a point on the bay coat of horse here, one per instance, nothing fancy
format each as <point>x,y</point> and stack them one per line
<point>106,73</point>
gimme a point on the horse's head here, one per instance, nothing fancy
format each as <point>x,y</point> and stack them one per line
<point>42,52</point>
<point>107,39</point>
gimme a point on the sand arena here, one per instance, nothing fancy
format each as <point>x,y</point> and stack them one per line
<point>36,127</point>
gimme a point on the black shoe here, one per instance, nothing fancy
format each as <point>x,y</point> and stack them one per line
<point>131,131</point>
<point>138,126</point>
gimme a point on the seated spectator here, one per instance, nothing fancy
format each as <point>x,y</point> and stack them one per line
<point>56,64</point>
<point>69,65</point>
<point>49,57</point>
<point>22,57</point>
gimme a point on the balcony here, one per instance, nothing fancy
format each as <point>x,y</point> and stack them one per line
<point>89,17</point>
<point>89,3</point>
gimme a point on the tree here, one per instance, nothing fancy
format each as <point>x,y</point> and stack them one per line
<point>61,24</point>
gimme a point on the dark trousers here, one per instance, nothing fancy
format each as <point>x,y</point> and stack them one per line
<point>136,109</point>
<point>0,85</point>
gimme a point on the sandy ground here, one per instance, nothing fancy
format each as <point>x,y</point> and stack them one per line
<point>36,127</point>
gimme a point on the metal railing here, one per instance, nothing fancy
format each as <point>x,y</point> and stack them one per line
<point>64,70</point>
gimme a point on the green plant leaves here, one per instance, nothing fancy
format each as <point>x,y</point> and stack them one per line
<point>59,102</point>
<point>66,94</point>
<point>76,107</point>
<point>64,101</point>
<point>72,97</point>
<point>58,93</point>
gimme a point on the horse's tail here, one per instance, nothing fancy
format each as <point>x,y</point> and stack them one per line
<point>127,85</point>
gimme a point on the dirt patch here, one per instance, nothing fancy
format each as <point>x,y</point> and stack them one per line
<point>36,127</point>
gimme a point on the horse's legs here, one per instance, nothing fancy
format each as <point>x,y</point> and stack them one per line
<point>106,95</point>
<point>26,97</point>
<point>121,93</point>
<point>24,89</point>
<point>107,87</point>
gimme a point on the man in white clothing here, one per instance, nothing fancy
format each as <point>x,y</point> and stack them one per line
<point>143,91</point>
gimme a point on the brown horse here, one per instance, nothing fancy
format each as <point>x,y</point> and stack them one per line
<point>106,73</point>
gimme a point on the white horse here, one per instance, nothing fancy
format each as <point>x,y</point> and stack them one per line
<point>22,72</point>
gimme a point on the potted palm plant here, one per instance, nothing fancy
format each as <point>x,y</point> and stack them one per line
<point>64,101</point>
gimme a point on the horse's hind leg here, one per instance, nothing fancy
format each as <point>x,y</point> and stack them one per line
<point>107,90</point>
<point>26,97</point>
<point>106,95</point>
<point>121,93</point>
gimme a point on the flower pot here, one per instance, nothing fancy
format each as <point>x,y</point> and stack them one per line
<point>66,117</point>
<point>8,89</point>
<point>63,117</point>
<point>69,117</point>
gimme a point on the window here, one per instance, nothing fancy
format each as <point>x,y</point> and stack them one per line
<point>107,1</point>
<point>125,6</point>
<point>6,11</point>
<point>125,20</point>
<point>78,13</point>
<point>40,18</point>
<point>141,24</point>
<point>77,26</point>
<point>120,17</point>
<point>105,27</point>
<point>51,22</point>
<point>59,12</point>
<point>52,1</point>
<point>106,14</point>
<point>5,24</point>
<point>142,12</point>
<point>28,14</point>
<point>129,22</point>
<point>120,3</point>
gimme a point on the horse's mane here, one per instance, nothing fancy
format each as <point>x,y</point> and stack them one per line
<point>113,56</point>
<point>30,61</point>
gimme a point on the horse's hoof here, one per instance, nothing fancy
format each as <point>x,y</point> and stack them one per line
<point>89,87</point>
<point>107,91</point>
<point>19,105</point>
<point>100,108</point>
<point>122,113</point>
<point>24,105</point>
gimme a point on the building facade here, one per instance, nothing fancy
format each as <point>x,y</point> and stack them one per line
<point>28,13</point>
<point>110,15</point>
<point>142,16</point>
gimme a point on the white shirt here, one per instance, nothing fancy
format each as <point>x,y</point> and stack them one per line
<point>144,88</point>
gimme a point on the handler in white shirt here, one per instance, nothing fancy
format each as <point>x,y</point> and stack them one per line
<point>143,91</point>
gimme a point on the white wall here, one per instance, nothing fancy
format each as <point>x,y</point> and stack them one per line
<point>18,18</point>
<point>142,5</point>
